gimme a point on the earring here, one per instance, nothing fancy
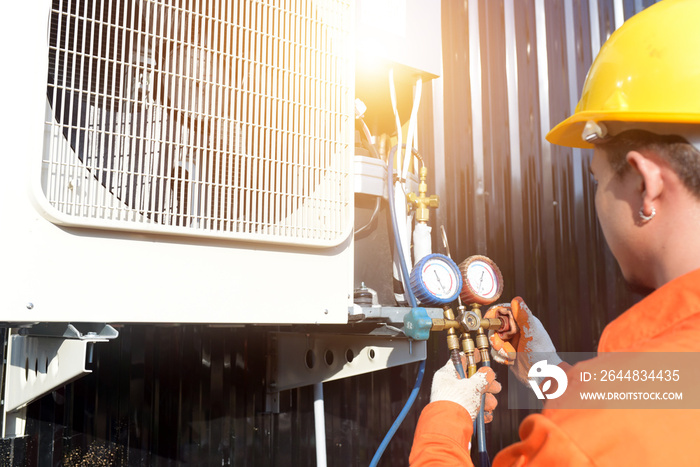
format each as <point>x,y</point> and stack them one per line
<point>649,217</point>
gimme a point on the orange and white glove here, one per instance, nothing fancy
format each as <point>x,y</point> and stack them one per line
<point>525,342</point>
<point>447,386</point>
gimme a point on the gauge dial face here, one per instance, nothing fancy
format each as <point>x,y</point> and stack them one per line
<point>482,279</point>
<point>439,278</point>
<point>483,282</point>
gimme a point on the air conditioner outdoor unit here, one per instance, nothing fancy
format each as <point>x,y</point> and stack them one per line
<point>177,161</point>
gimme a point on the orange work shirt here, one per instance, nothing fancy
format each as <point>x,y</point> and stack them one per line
<point>668,320</point>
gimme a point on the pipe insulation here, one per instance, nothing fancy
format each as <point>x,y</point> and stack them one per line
<point>320,425</point>
<point>422,244</point>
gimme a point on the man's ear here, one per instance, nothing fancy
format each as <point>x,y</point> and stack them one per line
<point>652,182</point>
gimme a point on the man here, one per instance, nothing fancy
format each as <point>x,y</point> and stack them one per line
<point>640,112</point>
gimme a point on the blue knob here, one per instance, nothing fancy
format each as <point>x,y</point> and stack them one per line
<point>417,324</point>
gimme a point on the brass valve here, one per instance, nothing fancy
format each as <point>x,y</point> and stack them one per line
<point>448,321</point>
<point>482,342</point>
<point>452,339</point>
<point>468,348</point>
<point>440,324</point>
<point>422,202</point>
<point>471,322</point>
<point>459,329</point>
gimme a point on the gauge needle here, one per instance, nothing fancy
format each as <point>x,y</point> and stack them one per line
<point>438,279</point>
<point>481,279</point>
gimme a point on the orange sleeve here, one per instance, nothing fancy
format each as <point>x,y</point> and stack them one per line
<point>442,437</point>
<point>444,432</point>
<point>542,443</point>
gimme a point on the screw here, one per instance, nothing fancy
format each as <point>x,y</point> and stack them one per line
<point>30,305</point>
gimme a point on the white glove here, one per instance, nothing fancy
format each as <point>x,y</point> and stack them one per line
<point>523,346</point>
<point>447,386</point>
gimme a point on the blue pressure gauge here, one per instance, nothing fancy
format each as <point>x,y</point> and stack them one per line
<point>436,280</point>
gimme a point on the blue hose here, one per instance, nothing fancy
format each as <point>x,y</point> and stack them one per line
<point>457,362</point>
<point>397,238</point>
<point>484,460</point>
<point>401,416</point>
<point>412,301</point>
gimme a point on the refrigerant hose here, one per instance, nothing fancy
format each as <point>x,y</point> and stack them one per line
<point>412,302</point>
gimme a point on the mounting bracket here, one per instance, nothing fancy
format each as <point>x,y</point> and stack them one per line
<point>42,358</point>
<point>301,359</point>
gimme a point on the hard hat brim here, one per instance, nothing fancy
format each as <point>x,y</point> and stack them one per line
<point>568,132</point>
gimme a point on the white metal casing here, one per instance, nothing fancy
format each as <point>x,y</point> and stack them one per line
<point>61,264</point>
<point>405,32</point>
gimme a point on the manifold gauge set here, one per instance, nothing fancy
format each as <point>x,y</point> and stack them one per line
<point>437,280</point>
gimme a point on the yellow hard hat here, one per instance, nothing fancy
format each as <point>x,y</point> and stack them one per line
<point>647,73</point>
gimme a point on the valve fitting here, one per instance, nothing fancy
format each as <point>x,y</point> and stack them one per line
<point>469,348</point>
<point>422,202</point>
<point>452,339</point>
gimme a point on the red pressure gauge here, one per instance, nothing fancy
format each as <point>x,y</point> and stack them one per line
<point>483,281</point>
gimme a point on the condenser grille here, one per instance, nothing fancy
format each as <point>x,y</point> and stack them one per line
<point>218,118</point>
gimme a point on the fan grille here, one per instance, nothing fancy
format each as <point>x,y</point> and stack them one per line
<point>217,118</point>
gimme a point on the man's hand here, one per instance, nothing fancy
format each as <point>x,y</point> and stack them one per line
<point>447,386</point>
<point>526,337</point>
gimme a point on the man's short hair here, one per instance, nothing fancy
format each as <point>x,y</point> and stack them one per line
<point>682,156</point>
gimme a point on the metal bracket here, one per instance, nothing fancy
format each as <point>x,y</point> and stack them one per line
<point>391,314</point>
<point>42,358</point>
<point>301,359</point>
<point>96,332</point>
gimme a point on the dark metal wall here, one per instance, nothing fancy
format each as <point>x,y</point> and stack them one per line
<point>195,395</point>
<point>512,69</point>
